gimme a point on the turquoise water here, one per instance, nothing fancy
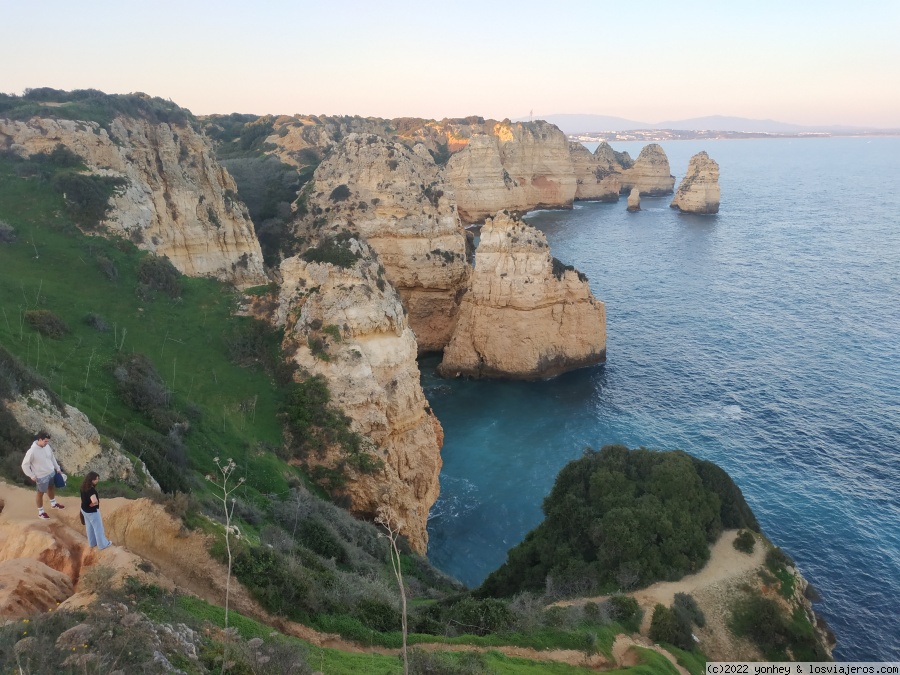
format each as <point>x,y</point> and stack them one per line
<point>764,339</point>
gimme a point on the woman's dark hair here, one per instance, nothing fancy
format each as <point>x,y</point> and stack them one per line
<point>88,481</point>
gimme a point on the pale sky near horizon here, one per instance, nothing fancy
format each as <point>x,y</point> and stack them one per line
<point>798,61</point>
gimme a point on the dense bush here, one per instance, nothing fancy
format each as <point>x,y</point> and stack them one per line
<point>686,606</point>
<point>340,193</point>
<point>446,663</point>
<point>671,627</point>
<point>625,610</point>
<point>86,196</point>
<point>166,460</point>
<point>138,384</point>
<point>335,251</point>
<point>560,268</point>
<point>159,274</point>
<point>745,542</point>
<point>623,513</point>
<point>46,323</point>
<point>97,322</point>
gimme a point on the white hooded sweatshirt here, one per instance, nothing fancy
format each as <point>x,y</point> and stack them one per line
<point>39,462</point>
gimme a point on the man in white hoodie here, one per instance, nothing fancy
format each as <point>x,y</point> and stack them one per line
<point>40,465</point>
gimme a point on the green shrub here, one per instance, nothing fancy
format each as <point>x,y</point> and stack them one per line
<point>86,196</point>
<point>340,193</point>
<point>138,384</point>
<point>479,617</point>
<point>625,610</point>
<point>446,663</point>
<point>164,456</point>
<point>745,542</point>
<point>46,323</point>
<point>108,268</point>
<point>560,268</point>
<point>318,538</point>
<point>334,251</point>
<point>685,605</point>
<point>670,627</point>
<point>159,274</point>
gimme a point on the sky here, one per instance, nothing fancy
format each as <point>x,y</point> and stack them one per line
<point>798,61</point>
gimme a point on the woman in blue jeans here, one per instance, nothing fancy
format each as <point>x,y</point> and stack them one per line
<point>90,508</point>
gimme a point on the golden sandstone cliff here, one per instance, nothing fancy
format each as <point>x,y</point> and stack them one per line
<point>518,166</point>
<point>348,325</point>
<point>178,201</point>
<point>698,191</point>
<point>650,173</point>
<point>525,315</point>
<point>396,200</point>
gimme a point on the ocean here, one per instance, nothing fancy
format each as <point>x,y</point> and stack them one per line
<point>764,339</point>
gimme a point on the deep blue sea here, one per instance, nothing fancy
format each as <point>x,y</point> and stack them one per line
<point>764,339</point>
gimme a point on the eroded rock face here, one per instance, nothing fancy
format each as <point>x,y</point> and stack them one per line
<point>179,202</point>
<point>650,173</point>
<point>29,587</point>
<point>517,166</point>
<point>698,191</point>
<point>396,199</point>
<point>596,178</point>
<point>357,322</point>
<point>77,443</point>
<point>525,314</point>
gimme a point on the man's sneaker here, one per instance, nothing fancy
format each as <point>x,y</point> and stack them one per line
<point>57,506</point>
<point>43,515</point>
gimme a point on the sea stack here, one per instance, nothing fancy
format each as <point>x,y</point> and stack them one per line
<point>650,173</point>
<point>634,200</point>
<point>699,189</point>
<point>525,314</point>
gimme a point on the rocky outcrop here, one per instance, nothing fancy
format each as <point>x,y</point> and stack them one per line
<point>525,315</point>
<point>650,173</point>
<point>76,442</point>
<point>634,200</point>
<point>698,191</point>
<point>517,166</point>
<point>178,201</point>
<point>596,179</point>
<point>348,325</point>
<point>396,200</point>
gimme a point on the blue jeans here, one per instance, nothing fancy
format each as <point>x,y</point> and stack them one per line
<point>93,523</point>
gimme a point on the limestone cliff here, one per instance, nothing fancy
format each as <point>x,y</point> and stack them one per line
<point>525,315</point>
<point>397,201</point>
<point>698,191</point>
<point>178,201</point>
<point>596,178</point>
<point>517,166</point>
<point>76,442</point>
<point>650,173</point>
<point>348,325</point>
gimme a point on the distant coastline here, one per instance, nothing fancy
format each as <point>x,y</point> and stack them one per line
<point>656,135</point>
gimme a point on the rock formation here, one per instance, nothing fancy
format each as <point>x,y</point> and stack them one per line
<point>525,315</point>
<point>634,200</point>
<point>178,201</point>
<point>650,173</point>
<point>596,179</point>
<point>76,442</point>
<point>396,200</point>
<point>351,329</point>
<point>698,191</point>
<point>517,166</point>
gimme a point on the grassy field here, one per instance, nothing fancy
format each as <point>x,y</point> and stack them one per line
<point>52,266</point>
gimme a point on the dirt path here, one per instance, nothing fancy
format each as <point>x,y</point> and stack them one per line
<point>725,563</point>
